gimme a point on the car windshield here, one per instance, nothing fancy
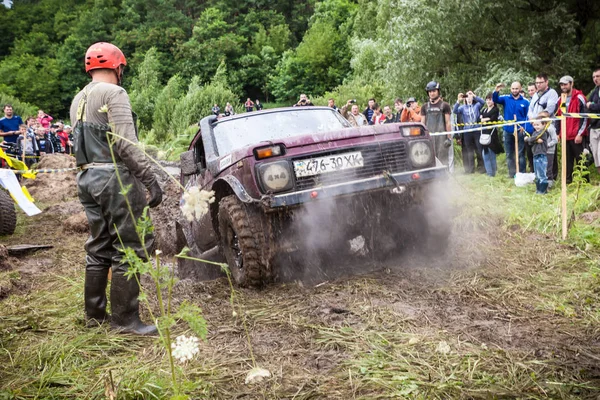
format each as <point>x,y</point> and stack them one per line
<point>255,128</point>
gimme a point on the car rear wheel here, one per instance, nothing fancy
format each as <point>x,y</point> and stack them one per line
<point>243,231</point>
<point>8,215</point>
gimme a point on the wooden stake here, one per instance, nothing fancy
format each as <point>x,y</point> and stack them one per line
<point>516,144</point>
<point>563,156</point>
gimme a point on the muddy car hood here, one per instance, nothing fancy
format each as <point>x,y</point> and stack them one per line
<point>307,140</point>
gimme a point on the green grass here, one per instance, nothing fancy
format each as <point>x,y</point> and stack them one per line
<point>512,312</point>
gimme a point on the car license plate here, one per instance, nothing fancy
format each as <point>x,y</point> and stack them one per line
<point>321,165</point>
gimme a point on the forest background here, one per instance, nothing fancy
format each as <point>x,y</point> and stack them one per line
<point>185,55</point>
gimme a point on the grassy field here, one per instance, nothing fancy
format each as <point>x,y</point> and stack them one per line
<point>510,311</point>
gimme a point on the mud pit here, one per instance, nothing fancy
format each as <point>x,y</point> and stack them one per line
<point>411,322</point>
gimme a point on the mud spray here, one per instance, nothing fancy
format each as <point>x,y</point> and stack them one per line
<point>381,232</point>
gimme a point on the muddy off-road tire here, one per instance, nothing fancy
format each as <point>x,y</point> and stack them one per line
<point>8,215</point>
<point>243,231</point>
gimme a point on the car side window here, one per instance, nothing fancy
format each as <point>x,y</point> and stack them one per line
<point>199,156</point>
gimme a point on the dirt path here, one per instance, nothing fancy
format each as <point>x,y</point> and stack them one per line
<point>496,319</point>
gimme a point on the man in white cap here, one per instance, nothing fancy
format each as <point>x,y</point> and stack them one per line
<point>577,128</point>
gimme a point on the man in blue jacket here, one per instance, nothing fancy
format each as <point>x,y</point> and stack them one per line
<point>517,106</point>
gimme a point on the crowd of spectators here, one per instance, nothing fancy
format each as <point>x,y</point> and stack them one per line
<point>36,136</point>
<point>475,121</point>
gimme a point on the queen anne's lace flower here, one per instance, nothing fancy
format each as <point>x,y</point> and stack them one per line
<point>103,109</point>
<point>194,203</point>
<point>185,348</point>
<point>257,374</point>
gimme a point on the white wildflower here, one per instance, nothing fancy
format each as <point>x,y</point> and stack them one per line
<point>194,203</point>
<point>185,348</point>
<point>161,155</point>
<point>103,109</point>
<point>256,375</point>
<point>443,347</point>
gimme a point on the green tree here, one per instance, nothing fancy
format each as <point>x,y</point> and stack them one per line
<point>145,88</point>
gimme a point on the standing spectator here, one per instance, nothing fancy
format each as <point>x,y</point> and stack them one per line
<point>9,124</point>
<point>387,113</point>
<point>470,111</point>
<point>229,109</point>
<point>27,144</point>
<point>331,104</point>
<point>435,115</point>
<point>531,89</point>
<point>63,136</point>
<point>593,106</point>
<point>544,99</point>
<point>304,101</point>
<point>378,118</point>
<point>514,105</point>
<point>249,105</point>
<point>412,111</point>
<point>399,107</point>
<point>368,112</point>
<point>539,141</point>
<point>576,127</point>
<point>44,119</point>
<point>258,105</point>
<point>354,117</point>
<point>489,151</point>
<point>552,170</point>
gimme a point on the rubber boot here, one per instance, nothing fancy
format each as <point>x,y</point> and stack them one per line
<point>126,306</point>
<point>95,297</point>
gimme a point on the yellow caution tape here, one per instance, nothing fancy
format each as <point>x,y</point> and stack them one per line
<point>582,115</point>
<point>47,171</point>
<point>18,165</point>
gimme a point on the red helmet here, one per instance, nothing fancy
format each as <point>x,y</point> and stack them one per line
<point>103,55</point>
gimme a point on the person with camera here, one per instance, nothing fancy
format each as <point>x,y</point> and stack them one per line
<point>303,102</point>
<point>412,111</point>
<point>470,112</point>
<point>44,119</point>
<point>9,125</point>
<point>354,116</point>
<point>435,115</point>
<point>107,154</point>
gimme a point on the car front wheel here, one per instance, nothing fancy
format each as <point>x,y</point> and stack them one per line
<point>243,231</point>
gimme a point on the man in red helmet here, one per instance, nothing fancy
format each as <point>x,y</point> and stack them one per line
<point>105,141</point>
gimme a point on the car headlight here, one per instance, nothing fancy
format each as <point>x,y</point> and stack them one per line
<point>420,153</point>
<point>276,176</point>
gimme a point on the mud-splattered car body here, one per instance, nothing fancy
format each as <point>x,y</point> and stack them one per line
<point>268,167</point>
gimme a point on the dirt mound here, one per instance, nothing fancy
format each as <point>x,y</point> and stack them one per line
<point>77,223</point>
<point>165,215</point>
<point>53,187</point>
<point>68,208</point>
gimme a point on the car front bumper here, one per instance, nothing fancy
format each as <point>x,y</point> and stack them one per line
<point>398,182</point>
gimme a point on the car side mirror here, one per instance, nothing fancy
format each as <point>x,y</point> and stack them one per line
<point>188,163</point>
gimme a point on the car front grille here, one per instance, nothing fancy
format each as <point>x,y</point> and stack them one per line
<point>386,156</point>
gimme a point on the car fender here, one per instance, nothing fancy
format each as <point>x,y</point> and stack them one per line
<point>229,184</point>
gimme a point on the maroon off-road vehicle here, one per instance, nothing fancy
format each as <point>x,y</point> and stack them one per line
<point>291,179</point>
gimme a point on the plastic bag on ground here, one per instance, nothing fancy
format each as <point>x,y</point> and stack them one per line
<point>524,179</point>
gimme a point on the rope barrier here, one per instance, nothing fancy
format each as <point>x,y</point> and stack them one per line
<point>484,123</point>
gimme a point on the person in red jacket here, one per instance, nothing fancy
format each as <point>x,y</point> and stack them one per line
<point>577,128</point>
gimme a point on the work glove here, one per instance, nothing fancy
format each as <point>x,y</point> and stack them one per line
<point>156,195</point>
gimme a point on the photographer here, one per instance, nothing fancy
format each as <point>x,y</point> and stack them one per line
<point>304,101</point>
<point>355,118</point>
<point>44,119</point>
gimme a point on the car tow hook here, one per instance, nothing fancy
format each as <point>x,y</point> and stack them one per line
<point>399,189</point>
